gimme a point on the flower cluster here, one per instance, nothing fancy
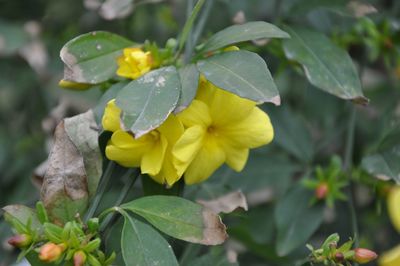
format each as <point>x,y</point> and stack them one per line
<point>218,127</point>
<point>134,63</point>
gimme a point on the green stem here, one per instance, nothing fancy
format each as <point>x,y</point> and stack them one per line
<point>188,26</point>
<point>348,158</point>
<point>104,181</point>
<point>123,195</point>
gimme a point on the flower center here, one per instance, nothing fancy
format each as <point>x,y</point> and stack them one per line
<point>212,130</point>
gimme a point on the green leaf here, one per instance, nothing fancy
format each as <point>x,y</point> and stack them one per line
<point>189,77</point>
<point>291,133</point>
<point>243,73</point>
<point>241,33</point>
<point>92,57</point>
<point>326,66</point>
<point>216,257</point>
<point>180,218</point>
<point>23,214</point>
<point>143,246</point>
<point>147,101</point>
<point>33,258</point>
<point>295,220</point>
<point>385,162</point>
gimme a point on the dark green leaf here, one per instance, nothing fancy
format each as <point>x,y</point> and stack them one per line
<point>243,73</point>
<point>189,77</point>
<point>291,133</point>
<point>147,101</point>
<point>180,218</point>
<point>245,32</point>
<point>295,220</point>
<point>326,66</point>
<point>385,162</point>
<point>143,246</point>
<point>92,57</point>
<point>216,257</point>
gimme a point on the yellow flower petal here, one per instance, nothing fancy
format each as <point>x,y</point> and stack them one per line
<point>227,107</point>
<point>187,147</point>
<point>393,204</point>
<point>111,117</point>
<point>134,63</point>
<point>126,150</point>
<point>153,158</point>
<point>390,258</point>
<point>196,114</point>
<point>209,158</point>
<point>172,130</point>
<point>206,91</point>
<point>236,158</point>
<point>254,131</point>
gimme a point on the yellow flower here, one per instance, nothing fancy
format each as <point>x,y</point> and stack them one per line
<point>133,63</point>
<point>151,152</point>
<point>219,127</point>
<point>390,258</point>
<point>393,203</point>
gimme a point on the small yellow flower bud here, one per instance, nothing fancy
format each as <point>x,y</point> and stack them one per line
<point>65,84</point>
<point>363,255</point>
<point>79,258</point>
<point>20,241</point>
<point>134,63</point>
<point>51,252</point>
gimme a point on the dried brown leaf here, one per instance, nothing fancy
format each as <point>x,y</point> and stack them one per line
<point>227,203</point>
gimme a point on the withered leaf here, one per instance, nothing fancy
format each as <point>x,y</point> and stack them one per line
<point>74,168</point>
<point>226,203</point>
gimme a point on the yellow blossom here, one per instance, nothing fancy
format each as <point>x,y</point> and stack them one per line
<point>219,127</point>
<point>390,258</point>
<point>393,203</point>
<point>133,63</point>
<point>151,152</point>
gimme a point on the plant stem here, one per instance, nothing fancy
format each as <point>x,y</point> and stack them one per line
<point>127,187</point>
<point>104,181</point>
<point>188,26</point>
<point>198,30</point>
<point>348,158</point>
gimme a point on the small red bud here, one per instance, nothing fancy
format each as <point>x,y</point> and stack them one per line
<point>20,241</point>
<point>339,257</point>
<point>363,255</point>
<point>321,191</point>
<point>79,258</point>
<point>51,252</point>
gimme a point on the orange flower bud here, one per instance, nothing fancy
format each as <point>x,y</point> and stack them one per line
<point>79,258</point>
<point>51,252</point>
<point>321,191</point>
<point>20,241</point>
<point>363,255</point>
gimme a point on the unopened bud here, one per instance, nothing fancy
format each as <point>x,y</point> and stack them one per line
<point>321,191</point>
<point>363,255</point>
<point>51,252</point>
<point>20,241</point>
<point>339,257</point>
<point>79,258</point>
